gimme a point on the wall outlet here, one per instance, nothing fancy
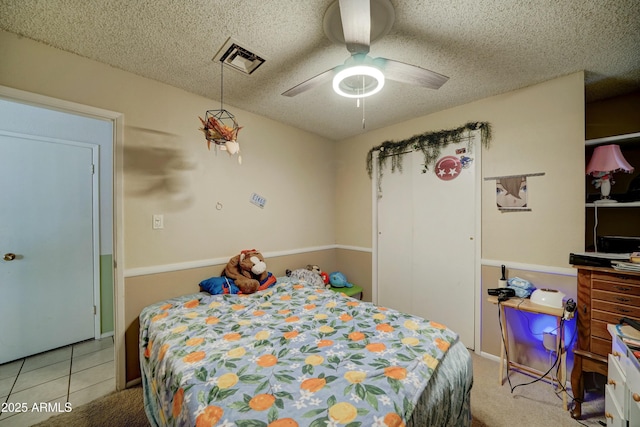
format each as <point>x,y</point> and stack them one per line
<point>258,200</point>
<point>158,222</point>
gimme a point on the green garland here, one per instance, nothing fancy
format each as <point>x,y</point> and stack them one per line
<point>430,143</point>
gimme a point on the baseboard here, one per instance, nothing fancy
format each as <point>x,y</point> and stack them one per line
<point>489,356</point>
<point>133,383</point>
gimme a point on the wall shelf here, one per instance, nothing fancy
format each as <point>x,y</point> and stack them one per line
<point>614,205</point>
<point>617,218</point>
<point>629,137</point>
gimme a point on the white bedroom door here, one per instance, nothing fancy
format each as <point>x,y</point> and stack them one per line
<point>427,240</point>
<point>46,244</point>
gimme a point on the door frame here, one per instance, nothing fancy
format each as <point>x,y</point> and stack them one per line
<point>95,213</point>
<point>117,120</point>
<point>477,288</point>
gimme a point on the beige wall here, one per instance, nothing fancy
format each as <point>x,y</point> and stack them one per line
<point>356,265</point>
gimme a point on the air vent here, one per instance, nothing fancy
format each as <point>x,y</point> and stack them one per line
<point>239,58</point>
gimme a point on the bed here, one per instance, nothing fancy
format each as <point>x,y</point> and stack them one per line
<point>297,355</point>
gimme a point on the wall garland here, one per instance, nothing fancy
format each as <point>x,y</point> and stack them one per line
<point>430,143</point>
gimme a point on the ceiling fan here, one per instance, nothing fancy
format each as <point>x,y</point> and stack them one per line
<point>362,75</point>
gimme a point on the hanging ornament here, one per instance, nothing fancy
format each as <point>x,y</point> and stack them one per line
<point>220,126</point>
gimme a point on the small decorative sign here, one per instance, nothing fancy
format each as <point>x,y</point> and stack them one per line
<point>448,168</point>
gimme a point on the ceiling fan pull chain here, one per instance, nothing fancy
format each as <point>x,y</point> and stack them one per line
<point>363,102</point>
<point>363,122</point>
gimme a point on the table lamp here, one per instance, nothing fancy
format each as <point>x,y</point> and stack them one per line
<point>606,160</point>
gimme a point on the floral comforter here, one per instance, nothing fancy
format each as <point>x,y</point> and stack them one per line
<point>292,355</point>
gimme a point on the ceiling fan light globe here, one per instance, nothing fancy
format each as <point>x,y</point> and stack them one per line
<point>343,81</point>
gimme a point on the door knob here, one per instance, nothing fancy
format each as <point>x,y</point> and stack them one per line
<point>9,257</point>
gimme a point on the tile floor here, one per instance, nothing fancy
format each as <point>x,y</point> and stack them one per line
<point>76,374</point>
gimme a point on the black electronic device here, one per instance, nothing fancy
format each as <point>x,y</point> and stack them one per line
<point>502,291</point>
<point>570,305</point>
<point>569,309</point>
<point>585,259</point>
<point>618,244</point>
<point>503,294</point>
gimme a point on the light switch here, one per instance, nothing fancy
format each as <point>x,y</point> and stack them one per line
<point>158,221</point>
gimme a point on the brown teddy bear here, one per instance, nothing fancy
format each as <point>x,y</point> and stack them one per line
<point>248,270</point>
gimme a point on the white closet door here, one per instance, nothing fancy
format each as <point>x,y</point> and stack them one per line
<point>444,248</point>
<point>427,266</point>
<point>395,229</point>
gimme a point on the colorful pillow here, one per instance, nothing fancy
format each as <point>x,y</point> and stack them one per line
<point>312,278</point>
<point>219,285</point>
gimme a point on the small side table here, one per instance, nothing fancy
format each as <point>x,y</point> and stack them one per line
<point>353,292</point>
<point>525,304</point>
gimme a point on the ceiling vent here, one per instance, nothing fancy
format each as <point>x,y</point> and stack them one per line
<point>237,57</point>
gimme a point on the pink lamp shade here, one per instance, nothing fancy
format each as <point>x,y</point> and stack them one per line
<point>608,158</point>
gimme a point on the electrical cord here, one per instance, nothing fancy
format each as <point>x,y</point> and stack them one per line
<point>527,318</point>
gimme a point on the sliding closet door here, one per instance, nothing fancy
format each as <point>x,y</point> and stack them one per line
<point>428,266</point>
<point>444,247</point>
<point>395,229</point>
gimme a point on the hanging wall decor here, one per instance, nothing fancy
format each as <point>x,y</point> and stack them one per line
<point>429,143</point>
<point>512,192</point>
<point>448,168</point>
<point>220,126</point>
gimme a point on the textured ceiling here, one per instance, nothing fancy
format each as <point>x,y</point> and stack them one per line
<point>486,47</point>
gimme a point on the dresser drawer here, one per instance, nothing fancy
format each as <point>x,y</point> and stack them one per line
<point>617,308</point>
<point>600,346</point>
<point>609,317</point>
<point>616,287</point>
<point>616,278</point>
<point>615,297</point>
<point>599,329</point>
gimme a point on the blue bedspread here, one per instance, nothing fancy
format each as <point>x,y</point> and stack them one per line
<point>295,355</point>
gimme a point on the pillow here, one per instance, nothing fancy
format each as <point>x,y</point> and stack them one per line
<point>219,285</point>
<point>311,278</point>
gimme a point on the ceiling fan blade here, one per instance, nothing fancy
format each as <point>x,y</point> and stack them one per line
<point>311,83</point>
<point>356,24</point>
<point>411,74</point>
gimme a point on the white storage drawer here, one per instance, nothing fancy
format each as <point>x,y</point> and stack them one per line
<point>622,392</point>
<point>633,396</point>
<point>616,382</point>
<point>612,411</point>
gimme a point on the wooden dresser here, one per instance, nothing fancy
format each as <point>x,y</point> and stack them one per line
<point>604,296</point>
